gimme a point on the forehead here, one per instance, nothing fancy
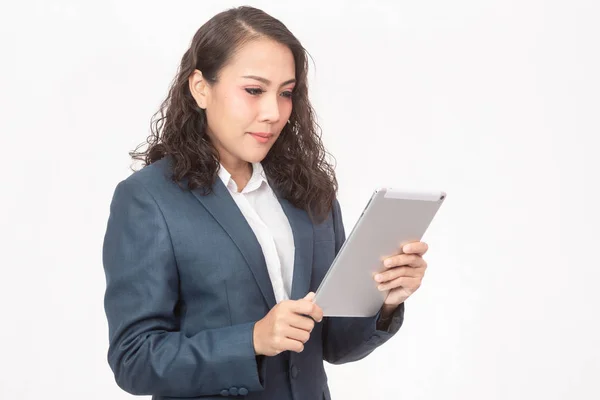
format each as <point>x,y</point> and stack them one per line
<point>263,57</point>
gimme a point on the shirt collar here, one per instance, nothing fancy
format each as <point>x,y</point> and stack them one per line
<point>256,180</point>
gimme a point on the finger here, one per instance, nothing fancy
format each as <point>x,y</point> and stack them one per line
<point>291,345</point>
<point>297,334</point>
<point>302,306</point>
<point>397,272</point>
<point>305,307</point>
<point>411,284</point>
<point>317,314</point>
<point>310,296</point>
<point>410,260</point>
<point>301,322</point>
<point>419,248</point>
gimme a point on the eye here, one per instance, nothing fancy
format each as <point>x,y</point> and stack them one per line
<point>254,91</point>
<point>288,94</point>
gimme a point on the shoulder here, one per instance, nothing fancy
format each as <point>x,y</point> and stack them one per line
<point>154,180</point>
<point>152,174</point>
<point>154,177</point>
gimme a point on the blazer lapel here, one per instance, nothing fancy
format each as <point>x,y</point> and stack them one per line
<point>302,229</point>
<point>223,208</point>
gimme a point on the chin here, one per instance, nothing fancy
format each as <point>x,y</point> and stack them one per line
<point>255,155</point>
<point>255,158</point>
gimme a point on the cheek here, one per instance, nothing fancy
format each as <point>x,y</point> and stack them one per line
<point>285,111</point>
<point>230,113</point>
<point>240,108</point>
<point>286,108</point>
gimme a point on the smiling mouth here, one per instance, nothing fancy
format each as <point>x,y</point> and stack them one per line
<point>261,137</point>
<point>261,134</point>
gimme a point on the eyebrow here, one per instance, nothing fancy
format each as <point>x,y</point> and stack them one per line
<point>266,81</point>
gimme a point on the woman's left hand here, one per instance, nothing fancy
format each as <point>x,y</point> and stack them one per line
<point>403,275</point>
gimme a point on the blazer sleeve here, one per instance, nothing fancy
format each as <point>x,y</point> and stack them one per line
<point>348,339</point>
<point>147,353</point>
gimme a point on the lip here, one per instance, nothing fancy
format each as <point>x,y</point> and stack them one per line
<point>262,134</point>
<point>262,137</point>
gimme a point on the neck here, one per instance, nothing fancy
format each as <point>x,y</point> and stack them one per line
<point>240,171</point>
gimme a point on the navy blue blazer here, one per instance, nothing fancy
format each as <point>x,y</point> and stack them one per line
<point>186,281</point>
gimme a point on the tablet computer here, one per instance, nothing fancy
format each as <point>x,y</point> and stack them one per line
<point>391,219</point>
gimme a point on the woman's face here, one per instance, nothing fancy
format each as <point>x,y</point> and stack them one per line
<point>251,102</point>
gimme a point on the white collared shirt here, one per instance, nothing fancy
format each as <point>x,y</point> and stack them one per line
<point>261,208</point>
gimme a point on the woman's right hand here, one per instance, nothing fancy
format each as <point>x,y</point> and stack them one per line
<point>286,327</point>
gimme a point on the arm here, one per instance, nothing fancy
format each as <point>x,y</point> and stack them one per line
<point>148,354</point>
<point>351,339</point>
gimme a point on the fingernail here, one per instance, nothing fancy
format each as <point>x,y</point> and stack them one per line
<point>378,277</point>
<point>380,287</point>
<point>388,263</point>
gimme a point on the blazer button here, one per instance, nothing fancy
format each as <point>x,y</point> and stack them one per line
<point>233,391</point>
<point>224,392</point>
<point>243,391</point>
<point>294,371</point>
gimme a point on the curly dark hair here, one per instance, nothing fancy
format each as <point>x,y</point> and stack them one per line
<point>296,165</point>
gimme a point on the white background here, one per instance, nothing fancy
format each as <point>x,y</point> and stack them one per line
<point>495,102</point>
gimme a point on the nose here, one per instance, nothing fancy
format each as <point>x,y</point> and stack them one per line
<point>269,109</point>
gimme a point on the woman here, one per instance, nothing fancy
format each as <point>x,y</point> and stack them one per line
<point>214,248</point>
